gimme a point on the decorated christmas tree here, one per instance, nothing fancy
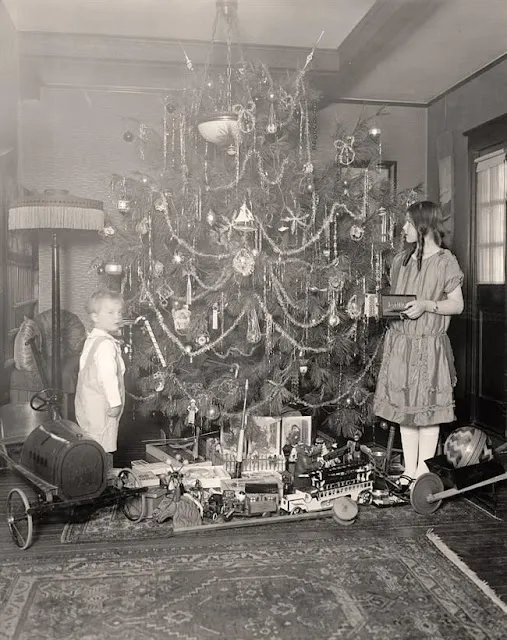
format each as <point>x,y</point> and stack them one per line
<point>239,260</point>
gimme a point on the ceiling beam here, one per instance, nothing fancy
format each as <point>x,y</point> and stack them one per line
<point>151,65</point>
<point>387,25</point>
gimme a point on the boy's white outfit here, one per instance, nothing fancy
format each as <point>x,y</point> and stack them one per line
<point>100,387</point>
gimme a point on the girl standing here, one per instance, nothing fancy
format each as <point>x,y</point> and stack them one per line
<point>417,374</point>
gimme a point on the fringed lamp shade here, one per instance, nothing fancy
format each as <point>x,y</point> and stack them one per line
<point>54,211</point>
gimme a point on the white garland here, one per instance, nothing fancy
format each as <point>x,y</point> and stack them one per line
<point>269,319</point>
<point>175,340</point>
<point>325,224</point>
<point>302,325</point>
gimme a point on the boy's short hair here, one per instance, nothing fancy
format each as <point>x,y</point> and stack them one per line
<point>95,301</point>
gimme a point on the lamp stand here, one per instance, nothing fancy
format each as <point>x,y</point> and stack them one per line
<point>56,368</point>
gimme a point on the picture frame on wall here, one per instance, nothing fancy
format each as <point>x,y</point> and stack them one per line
<point>383,172</point>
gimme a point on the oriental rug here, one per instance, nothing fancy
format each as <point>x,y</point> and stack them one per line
<point>111,525</point>
<point>376,588</point>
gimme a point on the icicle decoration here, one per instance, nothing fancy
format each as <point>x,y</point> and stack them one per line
<point>366,194</point>
<point>188,298</point>
<point>253,333</point>
<point>214,317</point>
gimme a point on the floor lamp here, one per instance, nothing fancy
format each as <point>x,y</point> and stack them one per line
<point>54,211</point>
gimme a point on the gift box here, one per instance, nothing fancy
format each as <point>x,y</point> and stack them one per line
<point>152,498</point>
<point>391,305</point>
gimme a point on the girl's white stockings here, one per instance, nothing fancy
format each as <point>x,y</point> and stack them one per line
<point>419,444</point>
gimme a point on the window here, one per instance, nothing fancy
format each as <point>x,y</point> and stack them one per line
<point>490,217</point>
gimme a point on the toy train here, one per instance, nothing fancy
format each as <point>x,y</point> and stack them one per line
<point>254,500</point>
<point>353,480</point>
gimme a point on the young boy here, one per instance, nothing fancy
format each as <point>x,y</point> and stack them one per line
<point>100,392</point>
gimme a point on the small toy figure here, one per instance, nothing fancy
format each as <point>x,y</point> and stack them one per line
<point>307,461</point>
<point>192,411</point>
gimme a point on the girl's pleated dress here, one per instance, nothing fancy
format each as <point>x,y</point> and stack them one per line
<point>417,374</point>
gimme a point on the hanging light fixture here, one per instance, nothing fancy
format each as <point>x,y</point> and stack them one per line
<point>221,127</point>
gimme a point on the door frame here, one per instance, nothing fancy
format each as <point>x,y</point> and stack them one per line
<point>486,138</point>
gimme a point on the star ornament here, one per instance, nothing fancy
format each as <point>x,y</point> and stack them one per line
<point>295,219</point>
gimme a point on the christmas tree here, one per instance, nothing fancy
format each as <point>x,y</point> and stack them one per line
<point>242,261</point>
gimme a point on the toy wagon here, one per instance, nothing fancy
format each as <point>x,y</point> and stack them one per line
<point>469,462</point>
<point>68,472</point>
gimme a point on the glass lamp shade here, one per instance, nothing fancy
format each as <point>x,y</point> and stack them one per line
<point>113,269</point>
<point>220,129</point>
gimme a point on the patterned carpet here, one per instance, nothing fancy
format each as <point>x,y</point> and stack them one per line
<point>109,524</point>
<point>335,586</point>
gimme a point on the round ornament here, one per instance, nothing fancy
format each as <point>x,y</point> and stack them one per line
<point>271,128</point>
<point>158,268</point>
<point>160,205</point>
<point>244,262</point>
<point>333,320</point>
<point>354,308</point>
<point>213,413</point>
<point>108,231</point>
<point>101,270</point>
<point>467,446</point>
<point>128,136</point>
<point>356,232</point>
<point>202,339</point>
<point>375,133</point>
<point>159,381</point>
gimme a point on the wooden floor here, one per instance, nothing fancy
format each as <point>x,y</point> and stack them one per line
<point>483,547</point>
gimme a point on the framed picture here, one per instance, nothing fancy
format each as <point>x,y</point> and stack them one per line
<point>386,171</point>
<point>229,436</point>
<point>263,436</point>
<point>296,427</point>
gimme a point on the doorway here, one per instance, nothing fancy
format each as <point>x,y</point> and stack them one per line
<point>488,322</point>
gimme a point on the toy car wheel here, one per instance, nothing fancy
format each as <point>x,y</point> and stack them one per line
<point>297,511</point>
<point>365,497</point>
<point>132,506</point>
<point>19,520</point>
<point>427,485</point>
